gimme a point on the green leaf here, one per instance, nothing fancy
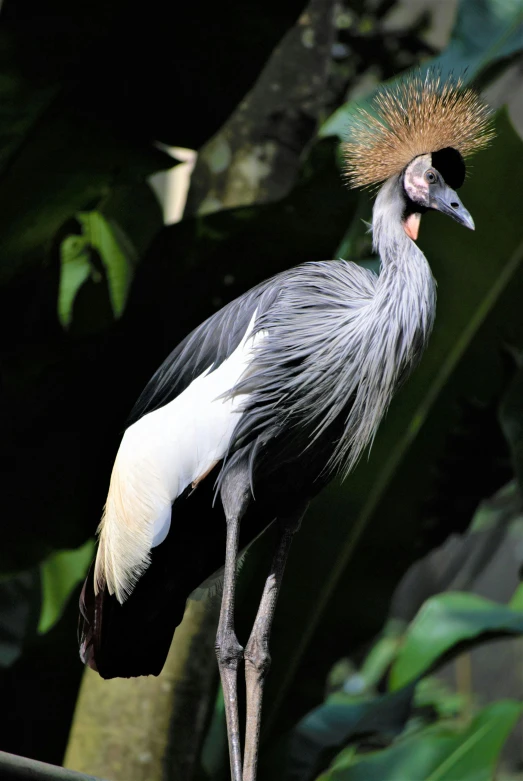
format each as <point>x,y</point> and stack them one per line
<point>444,622</point>
<point>120,231</point>
<point>485,31</point>
<point>60,574</point>
<point>75,268</point>
<point>437,753</point>
<point>381,654</point>
<point>116,253</point>
<point>340,720</point>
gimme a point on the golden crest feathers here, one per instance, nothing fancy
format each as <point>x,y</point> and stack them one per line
<point>419,115</point>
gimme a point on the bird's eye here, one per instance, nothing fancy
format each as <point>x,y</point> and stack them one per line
<point>430,177</point>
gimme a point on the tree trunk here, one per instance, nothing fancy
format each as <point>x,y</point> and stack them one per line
<point>255,156</point>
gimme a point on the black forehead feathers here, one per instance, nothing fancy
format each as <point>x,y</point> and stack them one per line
<point>450,165</point>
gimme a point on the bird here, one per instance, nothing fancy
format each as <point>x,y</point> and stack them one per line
<point>268,400</point>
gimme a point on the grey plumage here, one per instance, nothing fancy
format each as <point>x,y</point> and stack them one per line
<point>340,339</point>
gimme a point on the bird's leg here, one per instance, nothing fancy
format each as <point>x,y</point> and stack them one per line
<point>235,494</point>
<point>257,656</point>
<point>228,650</point>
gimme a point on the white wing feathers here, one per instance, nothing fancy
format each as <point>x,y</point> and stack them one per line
<point>159,456</point>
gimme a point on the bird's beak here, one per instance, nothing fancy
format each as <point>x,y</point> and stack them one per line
<point>444,199</point>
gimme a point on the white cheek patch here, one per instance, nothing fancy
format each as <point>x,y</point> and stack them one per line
<point>414,182</point>
<point>417,188</point>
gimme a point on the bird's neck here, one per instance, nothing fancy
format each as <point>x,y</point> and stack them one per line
<point>392,329</point>
<point>391,242</point>
<point>406,287</point>
<point>405,300</point>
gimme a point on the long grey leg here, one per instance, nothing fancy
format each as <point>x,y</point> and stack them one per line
<point>257,656</point>
<point>235,494</point>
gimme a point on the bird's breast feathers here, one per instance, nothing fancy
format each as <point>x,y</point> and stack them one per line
<point>162,454</point>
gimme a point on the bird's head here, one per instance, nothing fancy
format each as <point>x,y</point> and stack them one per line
<point>425,187</point>
<point>415,138</point>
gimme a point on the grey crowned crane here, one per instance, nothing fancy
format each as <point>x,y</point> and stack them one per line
<point>270,398</point>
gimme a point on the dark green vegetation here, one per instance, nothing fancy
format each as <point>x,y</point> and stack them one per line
<point>94,293</point>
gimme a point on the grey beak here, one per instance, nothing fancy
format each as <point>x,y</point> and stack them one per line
<point>445,200</point>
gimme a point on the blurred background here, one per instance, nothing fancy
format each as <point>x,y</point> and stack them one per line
<point>156,162</point>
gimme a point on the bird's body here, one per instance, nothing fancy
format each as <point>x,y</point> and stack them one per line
<point>231,386</point>
<point>260,407</point>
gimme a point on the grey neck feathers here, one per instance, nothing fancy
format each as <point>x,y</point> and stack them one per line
<point>406,285</point>
<point>398,323</point>
<point>350,339</point>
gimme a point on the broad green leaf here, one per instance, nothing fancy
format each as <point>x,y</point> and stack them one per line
<point>485,31</point>
<point>119,238</point>
<point>60,574</point>
<point>75,268</point>
<point>444,622</point>
<point>116,253</point>
<point>437,753</point>
<point>381,654</point>
<point>340,720</point>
